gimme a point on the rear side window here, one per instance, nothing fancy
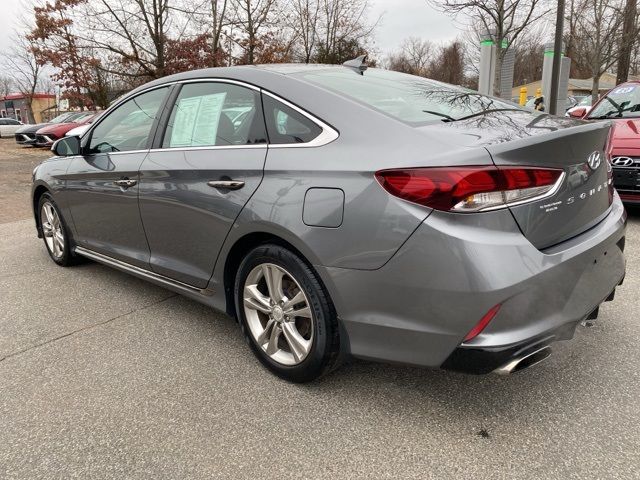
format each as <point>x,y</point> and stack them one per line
<point>215,114</point>
<point>286,125</point>
<point>128,126</point>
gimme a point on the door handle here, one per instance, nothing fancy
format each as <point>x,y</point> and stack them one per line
<point>226,184</point>
<point>125,183</point>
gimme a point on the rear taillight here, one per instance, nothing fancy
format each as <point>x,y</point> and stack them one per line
<point>470,189</point>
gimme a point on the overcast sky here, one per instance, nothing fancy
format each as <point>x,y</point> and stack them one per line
<point>409,18</point>
<point>401,19</point>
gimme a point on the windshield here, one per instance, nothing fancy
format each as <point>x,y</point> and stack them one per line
<point>411,99</point>
<point>83,117</point>
<point>61,118</point>
<point>621,102</point>
<point>585,102</point>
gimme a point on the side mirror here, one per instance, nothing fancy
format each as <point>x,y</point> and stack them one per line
<point>66,147</point>
<point>578,112</point>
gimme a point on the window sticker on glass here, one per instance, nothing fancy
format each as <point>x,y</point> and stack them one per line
<point>196,121</point>
<point>623,90</point>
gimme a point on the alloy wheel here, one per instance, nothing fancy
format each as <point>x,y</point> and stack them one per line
<point>52,230</point>
<point>278,314</point>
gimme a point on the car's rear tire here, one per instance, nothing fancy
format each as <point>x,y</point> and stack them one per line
<point>286,315</point>
<point>55,232</point>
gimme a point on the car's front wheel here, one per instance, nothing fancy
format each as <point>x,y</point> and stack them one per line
<point>286,315</point>
<point>54,232</point>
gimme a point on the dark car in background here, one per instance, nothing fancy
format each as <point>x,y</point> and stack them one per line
<point>47,135</point>
<point>27,134</point>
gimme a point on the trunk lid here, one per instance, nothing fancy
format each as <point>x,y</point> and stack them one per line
<point>585,193</point>
<point>520,138</point>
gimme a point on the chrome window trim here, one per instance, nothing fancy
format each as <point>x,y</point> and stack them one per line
<point>146,150</point>
<point>220,80</point>
<point>210,147</point>
<point>328,134</point>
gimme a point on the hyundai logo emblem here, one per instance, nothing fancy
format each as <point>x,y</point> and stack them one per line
<point>594,160</point>
<point>623,161</point>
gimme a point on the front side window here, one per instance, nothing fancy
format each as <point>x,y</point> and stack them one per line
<point>286,125</point>
<point>129,125</point>
<point>215,114</point>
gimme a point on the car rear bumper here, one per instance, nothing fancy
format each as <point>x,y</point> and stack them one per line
<point>418,308</point>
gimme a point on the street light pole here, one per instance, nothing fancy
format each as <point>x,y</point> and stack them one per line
<point>557,59</point>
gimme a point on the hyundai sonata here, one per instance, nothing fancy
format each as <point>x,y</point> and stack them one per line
<point>339,210</point>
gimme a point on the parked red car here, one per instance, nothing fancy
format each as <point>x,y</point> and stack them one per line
<point>622,105</point>
<point>46,136</point>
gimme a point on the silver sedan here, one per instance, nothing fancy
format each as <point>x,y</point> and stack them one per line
<point>340,210</point>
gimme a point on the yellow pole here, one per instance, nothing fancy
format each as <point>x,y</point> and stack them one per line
<point>538,92</point>
<point>523,96</point>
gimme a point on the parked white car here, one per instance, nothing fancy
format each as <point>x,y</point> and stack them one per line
<point>8,127</point>
<point>80,129</point>
<point>585,103</point>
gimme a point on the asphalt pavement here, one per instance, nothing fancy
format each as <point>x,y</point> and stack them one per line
<point>105,376</point>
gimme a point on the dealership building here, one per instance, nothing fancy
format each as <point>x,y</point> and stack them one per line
<point>16,106</point>
<point>576,87</point>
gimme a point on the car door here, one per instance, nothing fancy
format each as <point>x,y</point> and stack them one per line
<point>102,184</point>
<point>208,162</point>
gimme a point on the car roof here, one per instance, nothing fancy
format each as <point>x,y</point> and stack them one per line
<point>253,74</point>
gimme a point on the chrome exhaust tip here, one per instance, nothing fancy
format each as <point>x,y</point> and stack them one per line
<point>525,361</point>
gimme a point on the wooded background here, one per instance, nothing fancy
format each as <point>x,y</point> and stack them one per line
<point>96,50</point>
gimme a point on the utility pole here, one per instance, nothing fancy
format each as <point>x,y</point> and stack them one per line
<point>628,29</point>
<point>557,60</point>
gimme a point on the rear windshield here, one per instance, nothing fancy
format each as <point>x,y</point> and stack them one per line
<point>413,100</point>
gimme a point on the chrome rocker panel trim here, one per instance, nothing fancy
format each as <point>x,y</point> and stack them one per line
<point>142,273</point>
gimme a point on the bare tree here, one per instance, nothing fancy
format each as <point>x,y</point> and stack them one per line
<point>133,32</point>
<point>26,68</point>
<point>6,85</point>
<point>343,27</point>
<point>529,57</point>
<point>252,16</point>
<point>218,20</point>
<point>449,64</point>
<point>630,33</point>
<point>506,19</point>
<point>304,23</point>
<point>414,57</point>
<point>600,24</point>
